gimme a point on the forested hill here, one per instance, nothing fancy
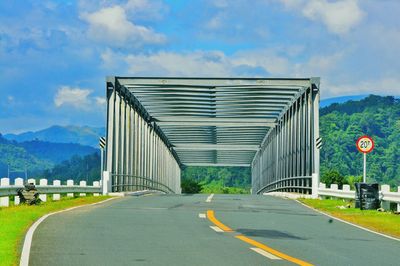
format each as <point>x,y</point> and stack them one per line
<point>342,124</point>
<point>36,156</point>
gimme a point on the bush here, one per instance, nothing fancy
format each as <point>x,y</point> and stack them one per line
<point>333,177</point>
<point>190,186</point>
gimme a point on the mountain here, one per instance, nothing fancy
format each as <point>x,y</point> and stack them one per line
<point>17,160</point>
<point>36,156</point>
<point>326,102</point>
<point>342,124</point>
<point>62,134</point>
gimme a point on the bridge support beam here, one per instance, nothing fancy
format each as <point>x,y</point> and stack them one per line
<point>138,156</point>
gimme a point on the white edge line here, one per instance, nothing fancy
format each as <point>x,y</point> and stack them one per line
<point>202,215</point>
<point>346,222</point>
<point>216,229</point>
<point>24,261</point>
<point>210,198</point>
<point>265,254</point>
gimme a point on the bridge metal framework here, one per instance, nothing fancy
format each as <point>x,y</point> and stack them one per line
<point>156,126</point>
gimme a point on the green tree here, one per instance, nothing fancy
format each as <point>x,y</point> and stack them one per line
<point>190,186</point>
<point>333,177</point>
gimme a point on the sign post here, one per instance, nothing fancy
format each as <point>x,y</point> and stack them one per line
<point>102,144</point>
<point>365,145</point>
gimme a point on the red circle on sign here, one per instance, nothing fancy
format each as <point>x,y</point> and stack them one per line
<point>366,149</point>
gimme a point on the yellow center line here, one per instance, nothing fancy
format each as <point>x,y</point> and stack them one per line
<point>211,217</point>
<point>215,221</point>
<point>273,251</point>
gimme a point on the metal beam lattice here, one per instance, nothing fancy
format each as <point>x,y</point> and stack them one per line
<point>157,125</point>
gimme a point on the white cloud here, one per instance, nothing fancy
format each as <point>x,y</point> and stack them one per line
<point>384,86</point>
<point>199,63</point>
<point>100,100</point>
<point>253,63</point>
<point>145,9</point>
<point>111,25</point>
<point>216,22</point>
<point>338,16</point>
<point>319,65</point>
<point>75,97</point>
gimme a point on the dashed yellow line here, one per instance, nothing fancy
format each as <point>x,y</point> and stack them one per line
<point>216,222</point>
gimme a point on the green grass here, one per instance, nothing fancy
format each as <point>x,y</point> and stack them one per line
<point>382,222</point>
<point>15,221</point>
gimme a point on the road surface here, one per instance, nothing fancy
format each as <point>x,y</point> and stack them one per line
<point>186,230</point>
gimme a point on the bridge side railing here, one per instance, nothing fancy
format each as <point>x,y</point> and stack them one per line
<point>386,195</point>
<point>56,189</point>
<point>300,184</point>
<point>136,183</point>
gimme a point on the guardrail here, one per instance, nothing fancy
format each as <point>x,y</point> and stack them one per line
<point>385,194</point>
<point>43,188</point>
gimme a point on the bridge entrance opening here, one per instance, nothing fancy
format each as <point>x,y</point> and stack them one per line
<point>156,126</point>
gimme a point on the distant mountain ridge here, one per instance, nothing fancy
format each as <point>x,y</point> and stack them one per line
<point>83,135</point>
<point>36,156</point>
<point>342,99</point>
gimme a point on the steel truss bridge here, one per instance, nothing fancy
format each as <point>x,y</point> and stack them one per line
<point>156,126</point>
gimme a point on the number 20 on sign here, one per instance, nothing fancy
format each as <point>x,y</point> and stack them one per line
<point>365,145</point>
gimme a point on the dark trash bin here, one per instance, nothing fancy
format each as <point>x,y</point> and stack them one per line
<point>367,196</point>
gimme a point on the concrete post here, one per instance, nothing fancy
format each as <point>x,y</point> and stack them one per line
<point>43,197</point>
<point>96,184</point>
<point>31,181</point>
<point>82,184</point>
<point>315,182</point>
<point>4,201</point>
<point>106,183</point>
<point>56,183</point>
<point>20,183</point>
<point>398,204</point>
<point>70,183</point>
<point>334,187</point>
<point>346,187</point>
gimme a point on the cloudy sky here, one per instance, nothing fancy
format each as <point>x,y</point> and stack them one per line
<point>55,55</point>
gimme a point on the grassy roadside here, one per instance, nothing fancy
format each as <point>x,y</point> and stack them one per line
<point>15,221</point>
<point>382,222</point>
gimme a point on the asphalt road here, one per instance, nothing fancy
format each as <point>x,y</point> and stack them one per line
<point>167,230</point>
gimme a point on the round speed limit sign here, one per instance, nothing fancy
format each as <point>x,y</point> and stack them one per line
<point>365,144</point>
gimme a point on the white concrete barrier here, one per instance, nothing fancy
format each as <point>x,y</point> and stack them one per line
<point>43,183</point>
<point>5,201</point>
<point>70,183</point>
<point>57,196</point>
<point>20,183</point>
<point>56,189</point>
<point>96,184</point>
<point>82,184</point>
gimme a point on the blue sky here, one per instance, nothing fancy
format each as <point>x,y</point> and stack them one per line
<point>55,55</point>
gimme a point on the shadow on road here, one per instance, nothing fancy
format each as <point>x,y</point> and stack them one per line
<point>268,234</point>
